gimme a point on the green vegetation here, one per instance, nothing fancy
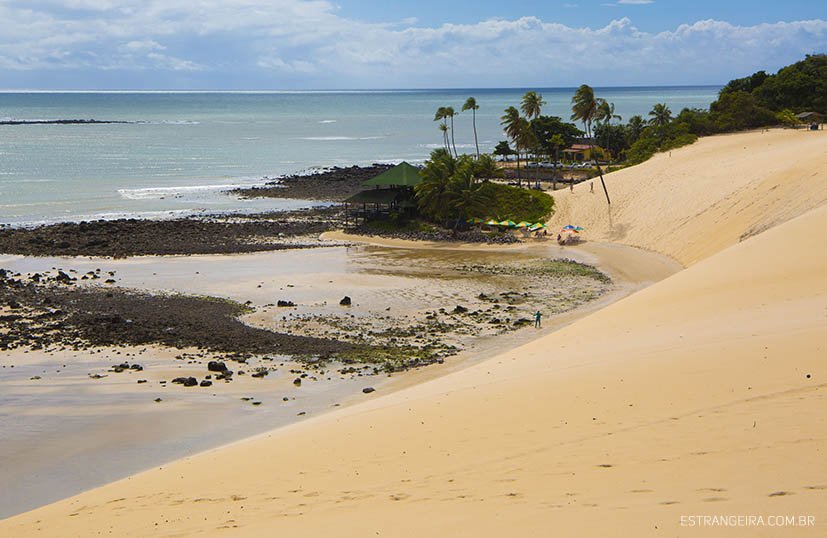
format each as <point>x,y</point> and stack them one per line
<point>457,189</point>
<point>516,204</point>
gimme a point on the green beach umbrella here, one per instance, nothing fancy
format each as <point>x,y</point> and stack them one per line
<point>524,224</point>
<point>508,223</point>
<point>492,222</point>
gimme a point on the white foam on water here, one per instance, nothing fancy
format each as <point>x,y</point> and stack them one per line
<point>156,193</point>
<point>326,121</point>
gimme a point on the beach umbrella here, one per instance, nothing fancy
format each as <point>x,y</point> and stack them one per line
<point>508,223</point>
<point>523,224</point>
<point>475,220</point>
<point>492,222</point>
<point>535,227</point>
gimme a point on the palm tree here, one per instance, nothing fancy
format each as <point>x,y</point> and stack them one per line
<point>557,142</point>
<point>444,129</point>
<point>471,104</point>
<point>531,104</point>
<point>450,113</point>
<point>432,192</point>
<point>661,115</point>
<point>634,128</point>
<point>441,115</point>
<point>584,108</point>
<point>606,112</point>
<point>512,125</point>
<point>467,196</point>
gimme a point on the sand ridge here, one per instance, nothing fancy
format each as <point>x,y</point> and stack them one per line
<point>697,200</point>
<point>703,394</point>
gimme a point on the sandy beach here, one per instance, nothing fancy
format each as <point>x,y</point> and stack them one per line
<point>698,392</point>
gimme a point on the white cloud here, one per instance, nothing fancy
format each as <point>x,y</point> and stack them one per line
<point>295,43</point>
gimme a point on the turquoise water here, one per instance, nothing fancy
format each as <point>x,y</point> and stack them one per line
<point>182,150</point>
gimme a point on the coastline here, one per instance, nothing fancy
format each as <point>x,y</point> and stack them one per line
<point>237,276</point>
<point>682,354</point>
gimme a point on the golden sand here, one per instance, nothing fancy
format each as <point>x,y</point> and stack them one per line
<point>703,394</point>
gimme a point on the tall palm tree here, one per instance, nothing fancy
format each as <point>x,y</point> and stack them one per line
<point>450,113</point>
<point>557,142</point>
<point>532,104</point>
<point>661,115</point>
<point>441,115</point>
<point>605,114</point>
<point>512,125</point>
<point>444,128</point>
<point>584,108</point>
<point>471,104</point>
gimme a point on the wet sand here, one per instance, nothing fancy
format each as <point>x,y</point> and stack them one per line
<point>66,433</point>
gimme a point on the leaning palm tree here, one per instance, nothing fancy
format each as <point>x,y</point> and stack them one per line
<point>584,108</point>
<point>450,113</point>
<point>512,125</point>
<point>532,104</point>
<point>471,104</point>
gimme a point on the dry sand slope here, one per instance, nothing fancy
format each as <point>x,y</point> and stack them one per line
<point>702,394</point>
<point>705,197</point>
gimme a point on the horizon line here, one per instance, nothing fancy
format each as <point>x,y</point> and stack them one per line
<point>340,90</point>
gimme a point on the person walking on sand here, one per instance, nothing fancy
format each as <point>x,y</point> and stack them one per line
<point>571,186</point>
<point>591,187</point>
<point>537,317</point>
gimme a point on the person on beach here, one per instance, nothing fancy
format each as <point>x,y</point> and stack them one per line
<point>537,316</point>
<point>591,187</point>
<point>571,186</point>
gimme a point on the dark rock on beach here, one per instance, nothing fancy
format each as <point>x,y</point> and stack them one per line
<point>136,237</point>
<point>330,184</point>
<point>346,301</point>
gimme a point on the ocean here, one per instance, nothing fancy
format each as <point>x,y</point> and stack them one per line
<point>178,152</point>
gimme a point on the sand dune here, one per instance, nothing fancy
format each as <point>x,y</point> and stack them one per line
<point>697,200</point>
<point>703,394</point>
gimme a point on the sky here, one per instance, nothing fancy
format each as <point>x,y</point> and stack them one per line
<point>378,44</point>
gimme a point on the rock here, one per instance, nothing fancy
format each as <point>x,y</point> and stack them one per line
<point>206,383</point>
<point>63,278</point>
<point>368,390</point>
<point>346,301</point>
<point>216,366</point>
<point>460,310</point>
<point>141,381</point>
<point>285,304</point>
<point>261,373</point>
<point>158,400</point>
<point>136,367</point>
<point>186,381</point>
<point>297,382</point>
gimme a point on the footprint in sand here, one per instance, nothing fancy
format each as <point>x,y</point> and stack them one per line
<point>780,493</point>
<point>714,499</point>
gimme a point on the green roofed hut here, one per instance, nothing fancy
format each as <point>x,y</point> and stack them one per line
<point>393,191</point>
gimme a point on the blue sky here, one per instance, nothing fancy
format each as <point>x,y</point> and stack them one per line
<point>321,44</point>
